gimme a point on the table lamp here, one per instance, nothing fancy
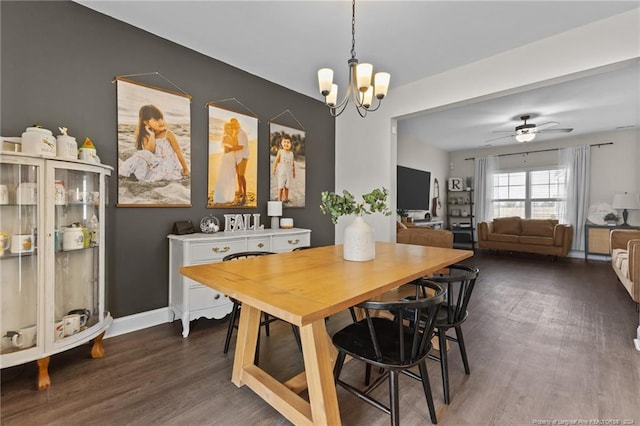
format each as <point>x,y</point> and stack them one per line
<point>626,202</point>
<point>274,209</point>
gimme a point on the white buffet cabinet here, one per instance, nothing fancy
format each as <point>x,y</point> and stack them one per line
<point>189,300</point>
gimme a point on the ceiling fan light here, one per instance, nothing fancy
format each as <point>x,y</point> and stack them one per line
<point>525,137</point>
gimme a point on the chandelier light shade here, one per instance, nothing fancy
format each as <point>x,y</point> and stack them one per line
<point>360,88</point>
<point>626,202</point>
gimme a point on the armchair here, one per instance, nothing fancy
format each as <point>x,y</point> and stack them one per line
<point>625,259</point>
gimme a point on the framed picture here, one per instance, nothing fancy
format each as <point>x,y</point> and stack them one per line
<point>233,159</point>
<point>154,146</point>
<point>288,165</point>
<point>456,184</point>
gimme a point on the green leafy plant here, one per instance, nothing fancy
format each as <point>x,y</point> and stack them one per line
<point>611,217</point>
<point>345,204</point>
<point>402,213</point>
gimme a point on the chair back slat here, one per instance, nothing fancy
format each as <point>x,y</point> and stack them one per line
<point>374,337</point>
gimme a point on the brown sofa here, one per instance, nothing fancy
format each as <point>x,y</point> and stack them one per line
<point>625,259</point>
<point>540,236</point>
<point>423,236</point>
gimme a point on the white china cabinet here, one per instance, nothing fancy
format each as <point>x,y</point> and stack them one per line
<point>52,259</point>
<point>189,300</point>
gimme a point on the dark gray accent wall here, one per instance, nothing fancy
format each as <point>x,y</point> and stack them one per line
<point>58,60</point>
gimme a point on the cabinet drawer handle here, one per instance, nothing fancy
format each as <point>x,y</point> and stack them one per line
<point>216,297</point>
<point>294,242</point>
<point>260,245</point>
<point>221,250</point>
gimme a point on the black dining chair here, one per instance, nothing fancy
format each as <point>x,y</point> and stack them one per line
<point>267,319</point>
<point>459,283</point>
<point>392,344</point>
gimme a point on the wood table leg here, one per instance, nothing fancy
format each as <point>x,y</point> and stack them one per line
<point>44,381</point>
<point>319,357</point>
<point>248,329</point>
<point>97,350</point>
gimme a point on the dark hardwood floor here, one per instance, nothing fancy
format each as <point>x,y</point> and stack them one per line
<point>546,341</point>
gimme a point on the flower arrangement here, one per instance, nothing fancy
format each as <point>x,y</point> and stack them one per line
<point>345,204</point>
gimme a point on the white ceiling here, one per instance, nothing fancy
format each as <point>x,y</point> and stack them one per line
<point>605,101</point>
<point>286,42</point>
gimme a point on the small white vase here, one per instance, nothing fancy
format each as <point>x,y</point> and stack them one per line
<point>359,244</point>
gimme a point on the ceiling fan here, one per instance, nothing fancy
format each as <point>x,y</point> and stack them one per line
<point>526,132</point>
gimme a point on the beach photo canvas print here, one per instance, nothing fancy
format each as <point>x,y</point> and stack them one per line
<point>288,165</point>
<point>154,147</point>
<point>233,159</point>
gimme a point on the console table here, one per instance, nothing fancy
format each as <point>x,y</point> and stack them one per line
<point>189,300</point>
<point>597,238</point>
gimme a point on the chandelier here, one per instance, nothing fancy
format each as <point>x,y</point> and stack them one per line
<point>359,89</point>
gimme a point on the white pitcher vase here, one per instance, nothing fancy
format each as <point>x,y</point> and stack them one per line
<point>359,244</point>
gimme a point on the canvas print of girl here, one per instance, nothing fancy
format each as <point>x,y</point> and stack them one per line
<point>154,136</point>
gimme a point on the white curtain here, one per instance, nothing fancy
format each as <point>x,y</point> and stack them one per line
<point>577,162</point>
<point>485,168</point>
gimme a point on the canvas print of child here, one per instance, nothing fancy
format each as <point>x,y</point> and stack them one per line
<point>154,136</point>
<point>288,165</point>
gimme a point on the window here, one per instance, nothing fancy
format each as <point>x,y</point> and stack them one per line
<point>534,194</point>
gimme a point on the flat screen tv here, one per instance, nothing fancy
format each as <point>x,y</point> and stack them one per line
<point>413,189</point>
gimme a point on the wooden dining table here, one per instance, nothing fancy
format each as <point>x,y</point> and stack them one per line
<point>303,288</point>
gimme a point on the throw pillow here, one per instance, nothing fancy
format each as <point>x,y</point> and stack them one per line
<point>507,225</point>
<point>538,227</point>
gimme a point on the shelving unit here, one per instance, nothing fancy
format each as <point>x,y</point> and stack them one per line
<point>52,292</point>
<point>460,218</point>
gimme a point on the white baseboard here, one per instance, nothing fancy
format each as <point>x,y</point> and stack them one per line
<point>137,322</point>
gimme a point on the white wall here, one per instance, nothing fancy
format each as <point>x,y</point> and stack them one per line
<point>417,155</point>
<point>366,153</point>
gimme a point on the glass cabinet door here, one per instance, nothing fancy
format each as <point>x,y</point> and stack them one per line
<point>76,228</point>
<point>20,216</point>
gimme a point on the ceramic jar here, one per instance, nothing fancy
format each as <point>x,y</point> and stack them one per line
<point>27,193</point>
<point>59,193</point>
<point>87,152</point>
<point>72,238</point>
<point>38,141</point>
<point>67,147</point>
